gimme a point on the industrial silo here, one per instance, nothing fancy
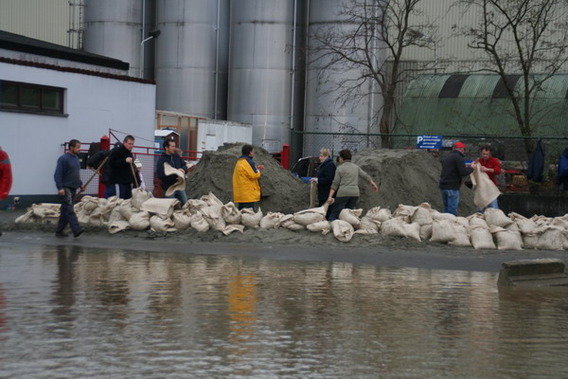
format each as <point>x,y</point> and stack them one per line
<point>328,108</point>
<point>263,68</point>
<point>191,56</point>
<point>115,29</point>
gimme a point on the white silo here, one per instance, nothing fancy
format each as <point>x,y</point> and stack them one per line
<point>115,29</point>
<point>191,56</point>
<point>328,109</point>
<point>262,68</point>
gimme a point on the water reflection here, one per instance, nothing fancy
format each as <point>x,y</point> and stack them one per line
<point>68,312</point>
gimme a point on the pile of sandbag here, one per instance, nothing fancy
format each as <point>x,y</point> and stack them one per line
<point>490,230</point>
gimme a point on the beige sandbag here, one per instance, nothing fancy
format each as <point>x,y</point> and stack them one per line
<point>560,222</point>
<point>481,238</point>
<point>198,222</point>
<point>526,226</point>
<point>565,235</point>
<point>26,218</point>
<point>291,225</point>
<point>230,213</point>
<point>140,220</point>
<point>496,217</point>
<point>97,219</point>
<point>118,226</point>
<point>342,230</point>
<point>161,207</point>
<point>195,205</point>
<point>271,220</point>
<point>442,216</point>
<point>412,231</point>
<point>89,203</point>
<point>379,214</point>
<point>212,214</point>
<point>462,221</point>
<point>368,226</point>
<point>422,214</point>
<point>82,217</point>
<point>322,226</point>
<point>181,219</point>
<point>45,210</point>
<point>232,228</point>
<point>212,200</point>
<point>249,218</point>
<point>309,216</point>
<point>426,232</point>
<point>477,220</point>
<point>115,215</point>
<point>404,212</point>
<point>443,230</point>
<point>159,224</point>
<point>462,235</point>
<point>125,209</point>
<point>485,190</point>
<point>506,239</point>
<point>139,196</point>
<point>351,216</point>
<point>530,241</point>
<point>179,184</point>
<point>394,227</point>
<point>551,239</point>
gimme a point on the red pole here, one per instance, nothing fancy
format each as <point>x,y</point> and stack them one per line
<point>285,157</point>
<point>105,145</point>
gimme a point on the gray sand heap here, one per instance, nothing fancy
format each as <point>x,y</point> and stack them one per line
<point>405,177</point>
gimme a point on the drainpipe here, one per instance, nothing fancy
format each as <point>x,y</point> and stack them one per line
<point>217,37</point>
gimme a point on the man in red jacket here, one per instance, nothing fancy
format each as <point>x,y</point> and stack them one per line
<point>491,166</point>
<point>5,175</point>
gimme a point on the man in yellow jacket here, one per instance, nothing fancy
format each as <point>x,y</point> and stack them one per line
<point>246,188</point>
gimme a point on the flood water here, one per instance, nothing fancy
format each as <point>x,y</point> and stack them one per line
<point>70,312</point>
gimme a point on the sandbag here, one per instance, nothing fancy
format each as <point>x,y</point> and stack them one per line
<point>422,214</point>
<point>159,224</point>
<point>404,212</point>
<point>530,241</point>
<point>368,226</point>
<point>506,239</point>
<point>485,190</point>
<point>198,222</point>
<point>249,218</point>
<point>291,225</point>
<point>351,216</point>
<point>412,231</point>
<point>426,232</point>
<point>551,239</point>
<point>322,226</point>
<point>89,203</point>
<point>118,226</point>
<point>230,213</point>
<point>232,228</point>
<point>478,221</point>
<point>443,230</point>
<point>181,219</point>
<point>140,220</point>
<point>162,207</point>
<point>125,209</point>
<point>481,238</point>
<point>195,205</point>
<point>212,214</point>
<point>271,220</point>
<point>342,230</point>
<point>394,227</point>
<point>115,215</point>
<point>442,216</point>
<point>139,196</point>
<point>462,236</point>
<point>309,216</point>
<point>379,214</point>
<point>211,200</point>
<point>496,217</point>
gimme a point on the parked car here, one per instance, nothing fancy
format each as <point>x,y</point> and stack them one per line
<point>306,168</point>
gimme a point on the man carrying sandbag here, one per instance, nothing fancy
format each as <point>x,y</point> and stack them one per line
<point>171,170</point>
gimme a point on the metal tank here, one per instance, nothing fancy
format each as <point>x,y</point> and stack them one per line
<point>263,69</point>
<point>115,29</point>
<point>327,108</point>
<point>191,56</point>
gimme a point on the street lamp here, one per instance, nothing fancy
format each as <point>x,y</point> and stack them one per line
<point>151,35</point>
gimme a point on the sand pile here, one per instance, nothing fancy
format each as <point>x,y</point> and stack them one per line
<point>405,176</point>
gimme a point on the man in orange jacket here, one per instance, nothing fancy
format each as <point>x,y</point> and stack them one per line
<point>246,188</point>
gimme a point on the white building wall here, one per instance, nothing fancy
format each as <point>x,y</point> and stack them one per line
<point>93,105</point>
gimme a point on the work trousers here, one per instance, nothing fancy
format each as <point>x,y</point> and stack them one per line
<point>340,203</point>
<point>67,214</point>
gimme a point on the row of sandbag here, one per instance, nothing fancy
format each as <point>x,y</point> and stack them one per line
<point>490,230</point>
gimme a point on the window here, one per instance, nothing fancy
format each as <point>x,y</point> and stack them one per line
<point>31,98</point>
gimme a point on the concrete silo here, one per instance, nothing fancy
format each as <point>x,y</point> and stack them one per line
<point>191,56</point>
<point>262,68</point>
<point>328,109</point>
<point>115,29</point>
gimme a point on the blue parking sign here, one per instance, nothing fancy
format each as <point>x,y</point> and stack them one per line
<point>429,142</point>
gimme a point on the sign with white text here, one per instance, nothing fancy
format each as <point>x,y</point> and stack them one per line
<point>429,142</point>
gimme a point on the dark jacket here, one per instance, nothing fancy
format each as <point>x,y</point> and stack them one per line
<point>120,170</point>
<point>67,172</point>
<point>173,160</point>
<point>97,159</point>
<point>326,173</point>
<point>453,169</point>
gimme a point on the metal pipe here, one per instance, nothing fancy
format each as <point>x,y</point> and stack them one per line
<point>216,91</point>
<point>293,73</point>
<point>141,68</point>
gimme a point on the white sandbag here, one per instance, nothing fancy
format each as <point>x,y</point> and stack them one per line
<point>139,196</point>
<point>368,226</point>
<point>195,205</point>
<point>342,230</point>
<point>560,222</point>
<point>496,217</point>
<point>286,220</point>
<point>477,220</point>
<point>211,200</point>
<point>309,216</point>
<point>426,232</point>
<point>82,217</point>
<point>379,214</point>
<point>115,215</point>
<point>97,219</point>
<point>530,241</point>
<point>352,216</point>
<point>485,190</point>
<point>232,228</point>
<point>506,239</point>
<point>422,214</point>
<point>462,235</point>
<point>230,213</point>
<point>161,207</point>
<point>198,222</point>
<point>551,239</point>
<point>462,221</point>
<point>89,203</point>
<point>118,226</point>
<point>412,231</point>
<point>125,209</point>
<point>271,220</point>
<point>404,212</point>
<point>212,214</point>
<point>140,220</point>
<point>481,238</point>
<point>442,216</point>
<point>526,226</point>
<point>291,225</point>
<point>249,218</point>
<point>394,227</point>
<point>443,230</point>
<point>25,218</point>
<point>159,224</point>
<point>322,226</point>
<point>44,210</point>
<point>181,219</point>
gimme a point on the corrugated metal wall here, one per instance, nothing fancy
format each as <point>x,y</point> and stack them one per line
<point>47,20</point>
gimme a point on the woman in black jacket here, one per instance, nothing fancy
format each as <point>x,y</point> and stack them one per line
<point>326,173</point>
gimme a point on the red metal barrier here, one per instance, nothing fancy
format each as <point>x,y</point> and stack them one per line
<point>105,145</point>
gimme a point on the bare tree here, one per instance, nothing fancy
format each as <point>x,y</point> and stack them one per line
<point>373,48</point>
<point>525,41</point>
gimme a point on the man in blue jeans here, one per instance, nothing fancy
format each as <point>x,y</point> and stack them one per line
<point>453,169</point>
